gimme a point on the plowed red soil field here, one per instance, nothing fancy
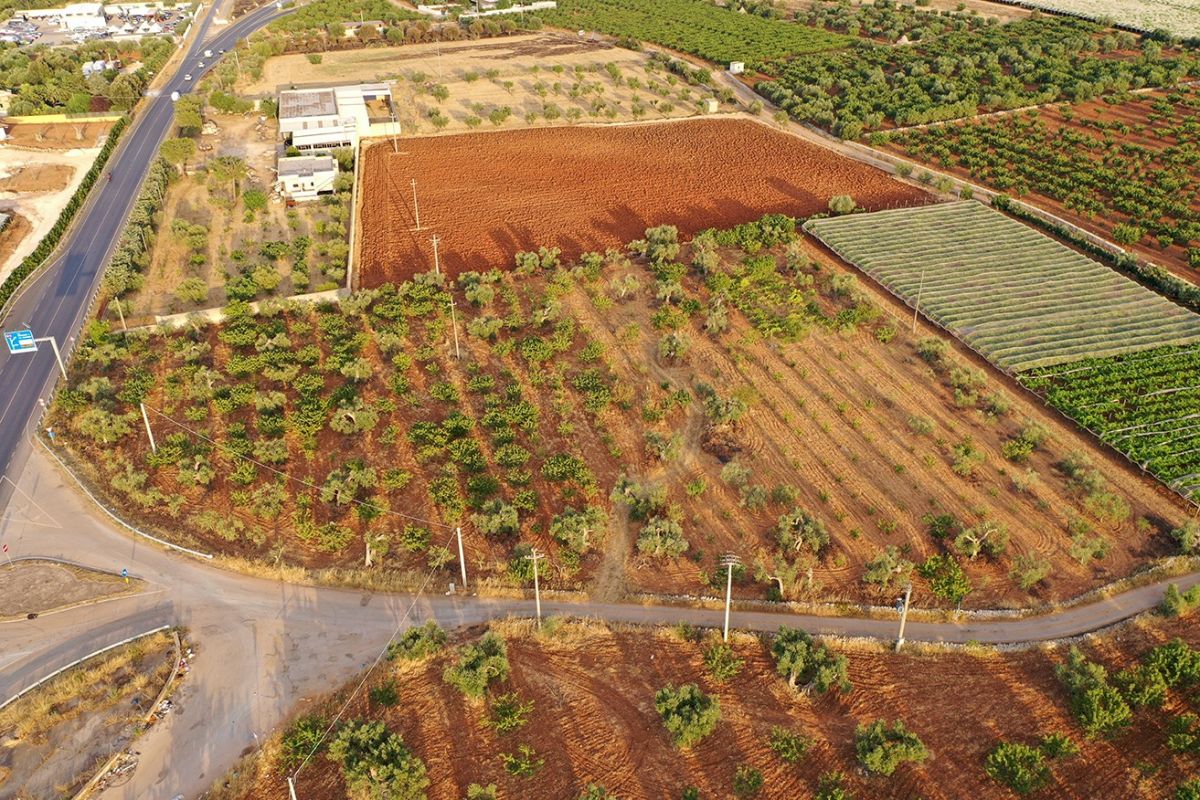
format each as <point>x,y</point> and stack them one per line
<point>593,721</point>
<point>488,196</point>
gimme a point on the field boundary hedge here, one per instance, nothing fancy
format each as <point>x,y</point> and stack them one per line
<point>51,240</point>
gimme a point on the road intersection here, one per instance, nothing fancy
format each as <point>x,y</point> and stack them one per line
<point>262,645</point>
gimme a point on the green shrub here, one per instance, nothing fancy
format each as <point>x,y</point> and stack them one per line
<point>509,713</point>
<point>1018,766</point>
<point>1179,604</point>
<point>377,764</point>
<point>385,694</point>
<point>789,746</point>
<point>881,749</point>
<point>800,660</point>
<point>1097,705</point>
<point>747,781</point>
<point>478,665</point>
<point>721,661</point>
<point>418,643</point>
<point>524,763</point>
<point>688,714</point>
<point>1058,745</point>
<point>303,738</point>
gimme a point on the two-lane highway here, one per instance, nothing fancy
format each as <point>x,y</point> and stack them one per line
<point>56,302</point>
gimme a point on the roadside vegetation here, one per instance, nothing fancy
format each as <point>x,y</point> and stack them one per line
<point>60,733</point>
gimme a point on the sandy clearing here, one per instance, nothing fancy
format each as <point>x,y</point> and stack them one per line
<point>41,208</point>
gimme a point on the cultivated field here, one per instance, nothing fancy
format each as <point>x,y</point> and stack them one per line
<point>694,26</point>
<point>1038,60</point>
<point>581,698</point>
<point>1145,404</point>
<point>57,736</point>
<point>589,188</point>
<point>1179,17</point>
<point>1126,171</point>
<point>1017,296</point>
<point>633,419</point>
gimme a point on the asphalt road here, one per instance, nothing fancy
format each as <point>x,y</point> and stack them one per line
<point>57,301</point>
<point>264,646</point>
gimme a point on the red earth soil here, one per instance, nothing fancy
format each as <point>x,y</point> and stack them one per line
<point>488,196</point>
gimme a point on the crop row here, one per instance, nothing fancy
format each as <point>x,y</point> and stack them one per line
<point>695,26</point>
<point>1018,297</point>
<point>960,74</point>
<point>1145,404</point>
<point>1100,169</point>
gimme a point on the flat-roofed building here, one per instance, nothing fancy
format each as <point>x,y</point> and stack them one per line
<point>324,119</point>
<point>305,177</point>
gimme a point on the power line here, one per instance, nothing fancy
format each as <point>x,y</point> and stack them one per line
<point>370,670</point>
<point>457,534</point>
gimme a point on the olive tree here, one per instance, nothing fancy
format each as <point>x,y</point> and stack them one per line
<point>804,662</point>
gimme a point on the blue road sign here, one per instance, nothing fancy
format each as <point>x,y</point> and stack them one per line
<point>20,341</point>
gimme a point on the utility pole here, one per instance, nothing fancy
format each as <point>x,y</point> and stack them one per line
<point>462,559</point>
<point>454,325</point>
<point>917,305</point>
<point>416,208</point>
<point>904,616</point>
<point>150,433</point>
<point>121,314</point>
<point>292,787</point>
<point>436,264</point>
<point>535,556</point>
<point>729,561</point>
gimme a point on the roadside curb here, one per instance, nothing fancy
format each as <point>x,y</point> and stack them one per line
<point>77,662</point>
<point>104,770</point>
<point>111,514</point>
<point>124,594</point>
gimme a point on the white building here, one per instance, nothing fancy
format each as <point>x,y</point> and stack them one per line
<point>320,120</point>
<point>305,177</point>
<point>75,17</point>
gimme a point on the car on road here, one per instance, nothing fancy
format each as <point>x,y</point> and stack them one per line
<point>187,77</point>
<point>200,65</point>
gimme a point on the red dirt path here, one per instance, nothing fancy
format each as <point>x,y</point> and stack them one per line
<point>489,195</point>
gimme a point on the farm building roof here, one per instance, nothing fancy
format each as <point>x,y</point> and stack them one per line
<point>307,103</point>
<point>305,165</point>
